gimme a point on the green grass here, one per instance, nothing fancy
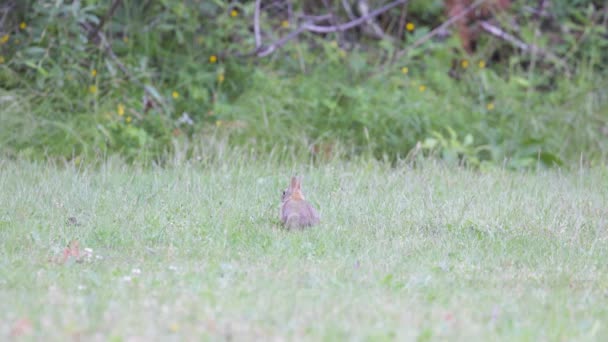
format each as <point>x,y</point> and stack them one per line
<point>401,253</point>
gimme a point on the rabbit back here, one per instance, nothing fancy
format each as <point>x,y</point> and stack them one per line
<point>298,214</point>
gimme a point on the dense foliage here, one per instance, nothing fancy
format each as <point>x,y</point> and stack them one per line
<point>151,79</point>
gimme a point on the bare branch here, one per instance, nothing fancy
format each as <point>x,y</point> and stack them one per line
<point>439,28</point>
<point>371,27</point>
<point>265,51</point>
<point>105,18</point>
<point>107,47</point>
<point>272,47</point>
<point>400,29</point>
<point>402,18</point>
<point>309,26</point>
<point>315,18</point>
<point>289,10</point>
<point>501,34</point>
<point>6,9</point>
<point>348,10</point>
<point>541,10</point>
<point>256,25</point>
<point>498,32</point>
<point>332,17</point>
<point>353,23</point>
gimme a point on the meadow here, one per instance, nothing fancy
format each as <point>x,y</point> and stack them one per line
<point>194,251</point>
<point>461,178</point>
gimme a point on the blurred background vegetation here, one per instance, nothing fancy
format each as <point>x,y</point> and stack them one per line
<point>154,80</point>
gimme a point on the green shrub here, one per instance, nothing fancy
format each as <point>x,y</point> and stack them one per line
<point>175,72</point>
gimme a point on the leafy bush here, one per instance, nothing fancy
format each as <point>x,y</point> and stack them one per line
<point>160,74</point>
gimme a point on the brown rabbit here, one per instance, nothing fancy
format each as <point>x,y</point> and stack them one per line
<point>296,212</point>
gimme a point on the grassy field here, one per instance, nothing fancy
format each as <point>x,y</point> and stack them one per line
<point>196,251</point>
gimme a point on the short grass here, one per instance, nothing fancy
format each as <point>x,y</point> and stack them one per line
<point>195,252</point>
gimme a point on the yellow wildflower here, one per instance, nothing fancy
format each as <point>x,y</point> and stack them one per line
<point>220,78</point>
<point>481,64</point>
<point>4,39</point>
<point>94,72</point>
<point>234,13</point>
<point>218,123</point>
<point>405,70</point>
<point>23,25</point>
<point>128,119</point>
<point>121,109</point>
<point>422,88</point>
<point>410,27</point>
<point>284,24</point>
<point>464,63</point>
<point>490,106</point>
<point>92,89</point>
<point>175,94</point>
<point>212,59</point>
<point>125,39</point>
<point>1,59</point>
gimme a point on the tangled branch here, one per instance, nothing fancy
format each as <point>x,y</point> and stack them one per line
<point>310,26</point>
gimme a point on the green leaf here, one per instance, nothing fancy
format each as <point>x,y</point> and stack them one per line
<point>468,140</point>
<point>429,143</point>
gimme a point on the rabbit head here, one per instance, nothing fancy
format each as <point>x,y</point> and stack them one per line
<point>294,191</point>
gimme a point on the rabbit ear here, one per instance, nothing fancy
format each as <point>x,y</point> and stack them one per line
<point>295,183</point>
